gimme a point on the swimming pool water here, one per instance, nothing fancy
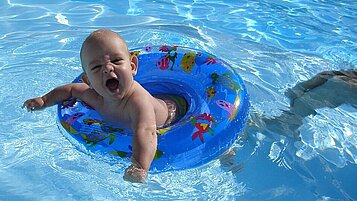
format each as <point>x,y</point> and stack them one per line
<point>273,44</point>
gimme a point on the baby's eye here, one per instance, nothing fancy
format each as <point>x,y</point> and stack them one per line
<point>95,67</point>
<point>116,61</point>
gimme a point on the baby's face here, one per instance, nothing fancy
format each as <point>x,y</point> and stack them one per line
<point>108,66</point>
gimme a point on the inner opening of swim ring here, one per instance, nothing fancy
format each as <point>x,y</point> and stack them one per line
<point>177,107</point>
<point>174,87</point>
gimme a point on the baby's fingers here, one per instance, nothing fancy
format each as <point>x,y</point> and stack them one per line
<point>26,104</point>
<point>31,105</point>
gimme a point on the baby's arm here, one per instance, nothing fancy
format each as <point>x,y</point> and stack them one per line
<point>56,95</point>
<point>144,140</point>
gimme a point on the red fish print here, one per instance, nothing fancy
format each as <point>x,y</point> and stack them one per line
<point>163,63</point>
<point>203,123</point>
<point>166,48</point>
<point>210,60</point>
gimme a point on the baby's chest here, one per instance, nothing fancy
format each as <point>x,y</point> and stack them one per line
<point>117,117</point>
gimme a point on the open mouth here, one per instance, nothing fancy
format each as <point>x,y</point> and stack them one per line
<point>112,84</point>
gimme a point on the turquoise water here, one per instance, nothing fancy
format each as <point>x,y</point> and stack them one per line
<point>273,44</point>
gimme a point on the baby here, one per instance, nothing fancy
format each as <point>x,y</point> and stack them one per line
<point>110,89</point>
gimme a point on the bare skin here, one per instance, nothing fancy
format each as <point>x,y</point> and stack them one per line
<point>110,89</point>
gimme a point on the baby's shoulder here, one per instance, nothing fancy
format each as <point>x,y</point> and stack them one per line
<point>142,99</point>
<point>87,94</point>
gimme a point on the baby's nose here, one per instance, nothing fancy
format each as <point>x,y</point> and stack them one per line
<point>108,68</point>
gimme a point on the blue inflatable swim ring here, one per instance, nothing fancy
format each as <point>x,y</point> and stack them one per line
<point>218,106</point>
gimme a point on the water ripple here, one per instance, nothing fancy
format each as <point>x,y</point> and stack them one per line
<point>334,140</point>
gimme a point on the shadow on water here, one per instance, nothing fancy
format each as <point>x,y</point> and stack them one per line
<point>328,89</point>
<point>251,158</point>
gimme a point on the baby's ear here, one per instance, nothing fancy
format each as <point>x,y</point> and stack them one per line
<point>134,62</point>
<point>85,79</point>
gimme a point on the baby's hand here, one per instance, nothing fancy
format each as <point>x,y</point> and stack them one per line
<point>34,104</point>
<point>135,174</point>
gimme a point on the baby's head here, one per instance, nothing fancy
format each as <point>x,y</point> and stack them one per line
<point>99,39</point>
<point>108,66</point>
